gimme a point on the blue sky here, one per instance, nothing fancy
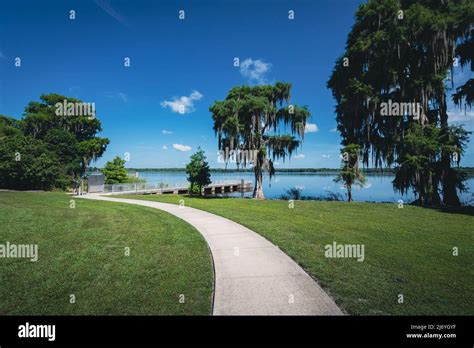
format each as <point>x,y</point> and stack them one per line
<point>176,62</point>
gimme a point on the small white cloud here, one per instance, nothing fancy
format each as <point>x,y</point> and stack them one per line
<point>184,104</point>
<point>183,148</point>
<point>164,131</point>
<point>165,147</point>
<point>254,70</point>
<point>300,156</point>
<point>311,128</point>
<point>333,130</point>
<point>325,156</point>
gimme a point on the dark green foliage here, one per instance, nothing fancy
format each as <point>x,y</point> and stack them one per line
<point>402,51</point>
<point>350,173</point>
<point>295,193</point>
<point>115,172</point>
<point>47,150</point>
<point>198,171</point>
<point>26,163</point>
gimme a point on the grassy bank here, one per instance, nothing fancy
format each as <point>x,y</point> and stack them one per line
<point>408,251</point>
<point>82,252</point>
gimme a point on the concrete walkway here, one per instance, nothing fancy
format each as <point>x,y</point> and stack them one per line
<point>252,275</point>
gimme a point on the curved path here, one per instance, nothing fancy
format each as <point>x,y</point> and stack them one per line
<point>252,275</point>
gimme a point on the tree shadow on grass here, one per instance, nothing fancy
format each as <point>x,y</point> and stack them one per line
<point>464,210</point>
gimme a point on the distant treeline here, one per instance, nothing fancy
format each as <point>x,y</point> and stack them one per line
<point>467,170</point>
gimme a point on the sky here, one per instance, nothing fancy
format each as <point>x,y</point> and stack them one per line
<point>156,111</point>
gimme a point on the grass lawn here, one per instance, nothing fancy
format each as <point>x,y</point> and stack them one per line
<point>82,252</point>
<point>408,251</point>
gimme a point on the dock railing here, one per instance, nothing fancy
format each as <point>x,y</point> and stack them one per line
<point>217,187</point>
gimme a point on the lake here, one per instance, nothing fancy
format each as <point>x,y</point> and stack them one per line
<point>378,187</point>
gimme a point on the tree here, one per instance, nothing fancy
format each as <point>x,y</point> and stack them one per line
<point>418,164</point>
<point>465,52</point>
<point>115,172</point>
<point>27,164</point>
<point>350,173</point>
<point>248,122</point>
<point>41,117</point>
<point>414,44</point>
<point>198,171</point>
<point>53,148</point>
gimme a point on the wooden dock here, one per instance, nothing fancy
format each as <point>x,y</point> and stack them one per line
<point>212,189</point>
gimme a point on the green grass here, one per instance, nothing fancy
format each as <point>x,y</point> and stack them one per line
<point>407,251</point>
<point>82,252</point>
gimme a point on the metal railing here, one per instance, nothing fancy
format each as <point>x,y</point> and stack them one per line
<point>143,187</point>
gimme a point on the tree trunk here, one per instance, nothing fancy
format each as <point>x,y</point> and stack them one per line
<point>448,180</point>
<point>349,193</point>
<point>450,196</point>
<point>258,189</point>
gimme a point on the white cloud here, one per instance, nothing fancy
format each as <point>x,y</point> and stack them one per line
<point>311,128</point>
<point>461,117</point>
<point>300,156</point>
<point>184,104</point>
<point>254,70</point>
<point>183,148</point>
<point>164,131</point>
<point>325,156</point>
<point>165,147</point>
<point>333,130</point>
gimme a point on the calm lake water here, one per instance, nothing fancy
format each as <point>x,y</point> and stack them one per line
<point>378,188</point>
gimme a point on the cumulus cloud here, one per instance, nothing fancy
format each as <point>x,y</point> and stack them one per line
<point>164,131</point>
<point>254,70</point>
<point>311,128</point>
<point>183,148</point>
<point>300,156</point>
<point>184,104</point>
